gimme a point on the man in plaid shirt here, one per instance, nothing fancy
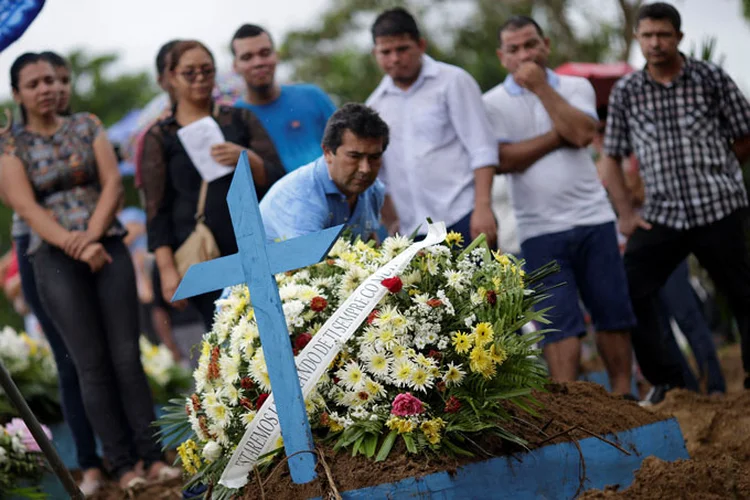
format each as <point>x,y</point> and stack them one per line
<point>689,126</point>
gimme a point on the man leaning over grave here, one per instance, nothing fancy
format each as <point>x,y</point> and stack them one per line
<point>340,187</point>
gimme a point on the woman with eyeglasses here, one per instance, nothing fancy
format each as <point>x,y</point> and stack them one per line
<point>171,183</point>
<point>66,187</point>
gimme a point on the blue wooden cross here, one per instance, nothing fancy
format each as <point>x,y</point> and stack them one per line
<point>256,264</point>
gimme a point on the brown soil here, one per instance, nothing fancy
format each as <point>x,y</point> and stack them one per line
<point>717,436</point>
<point>582,405</point>
<point>164,491</point>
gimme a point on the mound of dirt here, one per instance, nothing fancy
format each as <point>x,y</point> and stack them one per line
<point>708,479</point>
<point>583,406</point>
<point>717,436</point>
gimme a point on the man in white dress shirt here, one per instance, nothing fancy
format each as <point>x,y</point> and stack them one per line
<point>543,123</point>
<point>442,156</point>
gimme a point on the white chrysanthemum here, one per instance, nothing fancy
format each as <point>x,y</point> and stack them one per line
<point>455,279</point>
<point>475,299</point>
<point>292,312</point>
<point>219,434</point>
<point>443,343</point>
<point>375,389</point>
<point>339,247</point>
<point>212,451</point>
<point>307,293</point>
<point>401,372</point>
<point>453,375</point>
<point>219,413</point>
<point>351,375</point>
<point>229,366</point>
<point>248,417</point>
<point>379,364</point>
<point>420,379</point>
<point>289,291</point>
<point>411,279</point>
<point>259,371</point>
<point>200,377</point>
<point>353,277</point>
<point>470,320</point>
<point>431,337</point>
<point>432,265</point>
<point>230,394</point>
<point>211,397</point>
<point>394,245</point>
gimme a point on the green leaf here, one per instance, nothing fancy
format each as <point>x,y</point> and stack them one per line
<point>370,445</point>
<point>409,441</point>
<point>387,445</point>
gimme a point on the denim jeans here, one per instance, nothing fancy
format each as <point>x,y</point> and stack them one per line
<point>70,389</point>
<point>680,302</point>
<point>97,316</point>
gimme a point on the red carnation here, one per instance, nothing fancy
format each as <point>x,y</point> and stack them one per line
<point>437,355</point>
<point>246,403</point>
<point>434,302</point>
<point>491,297</point>
<point>441,386</point>
<point>318,304</point>
<point>452,405</point>
<point>371,317</point>
<point>261,399</point>
<point>302,340</point>
<point>394,285</point>
<point>247,383</point>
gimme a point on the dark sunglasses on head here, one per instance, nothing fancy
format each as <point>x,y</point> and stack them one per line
<point>191,75</point>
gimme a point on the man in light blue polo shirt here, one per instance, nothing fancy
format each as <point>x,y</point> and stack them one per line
<point>340,187</point>
<point>295,116</point>
<point>543,123</point>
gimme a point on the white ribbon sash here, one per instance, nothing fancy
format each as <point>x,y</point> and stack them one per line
<point>263,432</point>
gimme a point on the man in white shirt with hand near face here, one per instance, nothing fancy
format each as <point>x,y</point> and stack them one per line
<point>543,123</point>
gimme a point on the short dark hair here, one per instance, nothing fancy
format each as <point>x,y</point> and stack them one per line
<point>361,120</point>
<point>55,59</point>
<point>514,23</point>
<point>183,46</point>
<point>248,31</point>
<point>395,22</point>
<point>161,56</point>
<point>659,11</point>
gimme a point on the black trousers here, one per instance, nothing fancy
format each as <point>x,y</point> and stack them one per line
<point>651,257</point>
<point>97,316</point>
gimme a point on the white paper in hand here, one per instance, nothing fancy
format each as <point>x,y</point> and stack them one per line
<point>197,138</point>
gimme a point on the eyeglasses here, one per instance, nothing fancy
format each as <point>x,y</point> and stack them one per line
<point>191,75</point>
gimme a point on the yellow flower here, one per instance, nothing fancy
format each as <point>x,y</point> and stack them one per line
<point>432,428</point>
<point>33,346</point>
<point>401,425</point>
<point>419,378</point>
<point>454,238</point>
<point>481,362</point>
<point>483,333</point>
<point>191,460</point>
<point>498,354</point>
<point>501,258</point>
<point>462,342</point>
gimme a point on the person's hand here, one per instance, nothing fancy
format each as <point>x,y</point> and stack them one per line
<point>628,223</point>
<point>530,76</point>
<point>170,280</point>
<point>95,256</point>
<point>226,153</point>
<point>483,221</point>
<point>76,242</point>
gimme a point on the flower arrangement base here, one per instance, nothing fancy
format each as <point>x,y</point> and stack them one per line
<point>573,417</point>
<point>554,471</point>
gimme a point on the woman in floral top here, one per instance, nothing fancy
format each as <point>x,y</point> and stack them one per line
<point>171,183</point>
<point>61,177</point>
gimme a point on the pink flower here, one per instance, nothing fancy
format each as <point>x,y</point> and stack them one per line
<point>405,404</point>
<point>18,427</point>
